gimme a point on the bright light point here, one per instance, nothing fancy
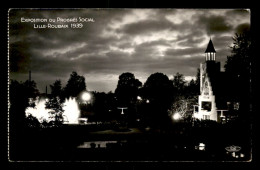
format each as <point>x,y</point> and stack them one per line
<point>86,96</point>
<point>201,146</point>
<point>147,101</point>
<point>139,98</point>
<point>176,116</point>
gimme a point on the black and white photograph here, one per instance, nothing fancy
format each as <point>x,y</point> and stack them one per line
<point>129,85</point>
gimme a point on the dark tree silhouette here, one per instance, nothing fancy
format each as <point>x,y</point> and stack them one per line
<point>238,64</point>
<point>185,96</point>
<point>56,88</point>
<point>197,81</point>
<point>127,89</point>
<point>179,84</point>
<point>126,94</point>
<point>192,89</point>
<point>19,101</point>
<point>19,96</point>
<point>30,88</point>
<point>75,85</point>
<point>238,68</point>
<point>20,92</point>
<point>158,90</point>
<point>103,105</point>
<point>179,81</point>
<point>56,112</point>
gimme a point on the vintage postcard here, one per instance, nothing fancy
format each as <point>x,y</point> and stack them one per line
<point>129,85</point>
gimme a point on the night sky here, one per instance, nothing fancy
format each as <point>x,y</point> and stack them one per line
<point>140,41</point>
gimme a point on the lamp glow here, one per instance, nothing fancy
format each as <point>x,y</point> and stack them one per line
<point>176,116</point>
<point>86,96</point>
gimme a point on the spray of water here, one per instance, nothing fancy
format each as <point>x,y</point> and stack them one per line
<point>39,111</point>
<point>71,111</point>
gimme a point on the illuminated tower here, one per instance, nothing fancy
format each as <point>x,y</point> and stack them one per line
<point>209,72</point>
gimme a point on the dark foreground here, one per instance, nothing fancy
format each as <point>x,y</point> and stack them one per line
<point>179,143</point>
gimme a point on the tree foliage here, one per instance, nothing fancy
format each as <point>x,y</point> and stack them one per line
<point>184,106</point>
<point>238,68</point>
<point>192,88</point>
<point>56,88</point>
<point>75,85</point>
<point>20,93</point>
<point>127,88</point>
<point>185,96</point>
<point>30,88</point>
<point>179,85</point>
<point>104,105</point>
<point>179,81</point>
<point>56,113</point>
<point>238,64</point>
<point>158,90</point>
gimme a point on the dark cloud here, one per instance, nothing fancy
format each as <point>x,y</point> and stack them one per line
<point>19,57</point>
<point>245,27</point>
<point>146,26</point>
<point>141,41</point>
<point>214,24</point>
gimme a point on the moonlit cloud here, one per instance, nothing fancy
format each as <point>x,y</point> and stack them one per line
<point>141,41</point>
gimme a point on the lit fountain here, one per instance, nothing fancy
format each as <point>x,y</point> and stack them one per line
<point>39,111</point>
<point>71,112</point>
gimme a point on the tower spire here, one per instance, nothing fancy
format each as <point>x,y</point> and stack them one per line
<point>210,52</point>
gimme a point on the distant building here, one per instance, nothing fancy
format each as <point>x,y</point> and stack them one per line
<point>213,101</point>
